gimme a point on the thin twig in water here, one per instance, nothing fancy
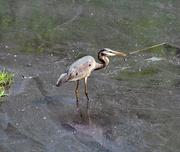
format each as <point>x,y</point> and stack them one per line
<point>148,48</point>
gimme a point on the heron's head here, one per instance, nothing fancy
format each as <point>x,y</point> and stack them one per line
<point>109,52</point>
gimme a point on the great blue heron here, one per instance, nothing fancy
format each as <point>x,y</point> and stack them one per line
<point>83,67</point>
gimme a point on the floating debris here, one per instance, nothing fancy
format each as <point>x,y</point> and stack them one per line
<point>154,59</point>
<point>44,118</point>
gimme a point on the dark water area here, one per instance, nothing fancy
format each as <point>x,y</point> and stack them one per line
<point>134,101</point>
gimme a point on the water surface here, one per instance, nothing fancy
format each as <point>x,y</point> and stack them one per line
<point>134,100</point>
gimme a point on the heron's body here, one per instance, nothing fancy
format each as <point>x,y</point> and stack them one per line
<point>83,67</point>
<point>76,70</point>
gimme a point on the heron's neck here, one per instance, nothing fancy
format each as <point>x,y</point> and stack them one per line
<point>104,63</point>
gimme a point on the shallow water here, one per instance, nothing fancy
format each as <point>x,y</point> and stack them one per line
<point>134,101</point>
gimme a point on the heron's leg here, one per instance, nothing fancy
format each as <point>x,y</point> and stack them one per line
<point>85,81</point>
<point>89,118</point>
<point>77,94</point>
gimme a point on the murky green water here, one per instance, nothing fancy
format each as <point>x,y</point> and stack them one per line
<point>134,100</point>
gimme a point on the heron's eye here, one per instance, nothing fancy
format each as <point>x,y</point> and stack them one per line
<point>76,73</point>
<point>110,51</point>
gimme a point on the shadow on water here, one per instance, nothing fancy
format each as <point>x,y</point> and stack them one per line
<point>78,123</point>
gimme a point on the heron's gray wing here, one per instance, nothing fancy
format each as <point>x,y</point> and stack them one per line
<point>81,68</point>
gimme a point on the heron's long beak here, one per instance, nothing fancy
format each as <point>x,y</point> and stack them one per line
<point>117,53</point>
<point>112,52</point>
